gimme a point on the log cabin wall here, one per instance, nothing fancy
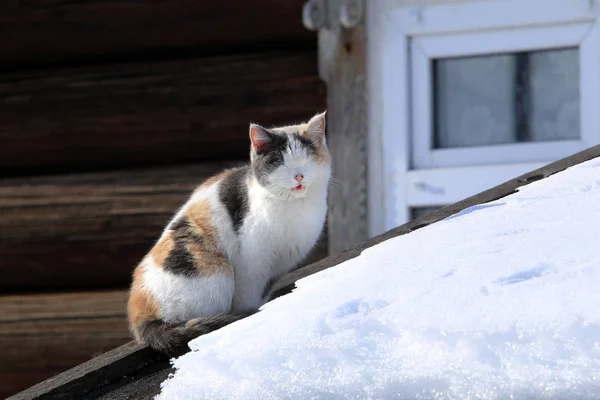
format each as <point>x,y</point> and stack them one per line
<point>110,113</point>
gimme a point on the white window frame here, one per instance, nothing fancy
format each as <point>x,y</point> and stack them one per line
<point>392,27</point>
<point>426,49</point>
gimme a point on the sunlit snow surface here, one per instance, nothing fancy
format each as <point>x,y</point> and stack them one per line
<point>500,300</point>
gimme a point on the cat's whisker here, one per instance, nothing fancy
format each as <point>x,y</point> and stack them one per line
<point>334,181</point>
<point>337,188</point>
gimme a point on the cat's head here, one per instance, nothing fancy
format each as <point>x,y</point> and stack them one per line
<point>291,161</point>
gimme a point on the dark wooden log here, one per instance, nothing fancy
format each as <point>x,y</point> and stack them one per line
<point>43,335</point>
<point>87,230</point>
<point>148,114</point>
<point>38,32</point>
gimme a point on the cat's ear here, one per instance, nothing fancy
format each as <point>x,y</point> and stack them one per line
<point>259,137</point>
<point>315,128</point>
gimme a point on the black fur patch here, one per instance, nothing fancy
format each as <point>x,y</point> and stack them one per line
<point>180,261</point>
<point>183,232</point>
<point>307,144</point>
<point>277,143</point>
<point>233,193</point>
<point>179,224</point>
<point>270,158</point>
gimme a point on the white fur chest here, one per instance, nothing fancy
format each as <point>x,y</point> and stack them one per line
<point>279,234</point>
<point>299,227</point>
<point>275,237</point>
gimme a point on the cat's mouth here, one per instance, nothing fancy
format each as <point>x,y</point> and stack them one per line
<point>298,188</point>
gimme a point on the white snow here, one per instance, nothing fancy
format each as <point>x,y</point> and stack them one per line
<point>500,301</point>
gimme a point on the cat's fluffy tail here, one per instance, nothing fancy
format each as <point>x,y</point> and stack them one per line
<point>172,338</point>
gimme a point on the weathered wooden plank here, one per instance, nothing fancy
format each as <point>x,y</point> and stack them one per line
<point>38,32</point>
<point>23,309</point>
<point>343,66</point>
<point>87,230</point>
<point>348,132</point>
<point>43,335</point>
<point>150,113</point>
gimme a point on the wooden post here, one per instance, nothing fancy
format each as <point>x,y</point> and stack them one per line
<point>342,62</point>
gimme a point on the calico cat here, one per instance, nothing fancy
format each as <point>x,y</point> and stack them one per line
<point>238,231</point>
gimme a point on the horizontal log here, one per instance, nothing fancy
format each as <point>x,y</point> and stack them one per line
<point>89,231</point>
<point>38,32</point>
<point>150,113</point>
<point>43,335</point>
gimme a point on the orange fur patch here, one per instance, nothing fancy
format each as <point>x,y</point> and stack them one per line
<point>214,179</point>
<point>162,249</point>
<point>140,306</point>
<point>199,216</point>
<point>210,263</point>
<point>322,155</point>
<point>207,255</point>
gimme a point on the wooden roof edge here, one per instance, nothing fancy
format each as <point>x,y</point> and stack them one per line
<point>129,359</point>
<point>99,371</point>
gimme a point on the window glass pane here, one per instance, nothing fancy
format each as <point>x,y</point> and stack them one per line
<point>506,98</point>
<point>554,85</point>
<point>474,109</point>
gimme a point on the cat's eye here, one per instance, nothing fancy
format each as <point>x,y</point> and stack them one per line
<point>273,159</point>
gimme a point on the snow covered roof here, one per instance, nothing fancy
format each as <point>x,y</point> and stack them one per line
<point>496,300</point>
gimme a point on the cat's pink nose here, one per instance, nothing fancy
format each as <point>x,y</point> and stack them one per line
<point>298,178</point>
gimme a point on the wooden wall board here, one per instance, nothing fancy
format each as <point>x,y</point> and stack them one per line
<point>87,231</point>
<point>127,115</point>
<point>42,335</point>
<point>47,32</point>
